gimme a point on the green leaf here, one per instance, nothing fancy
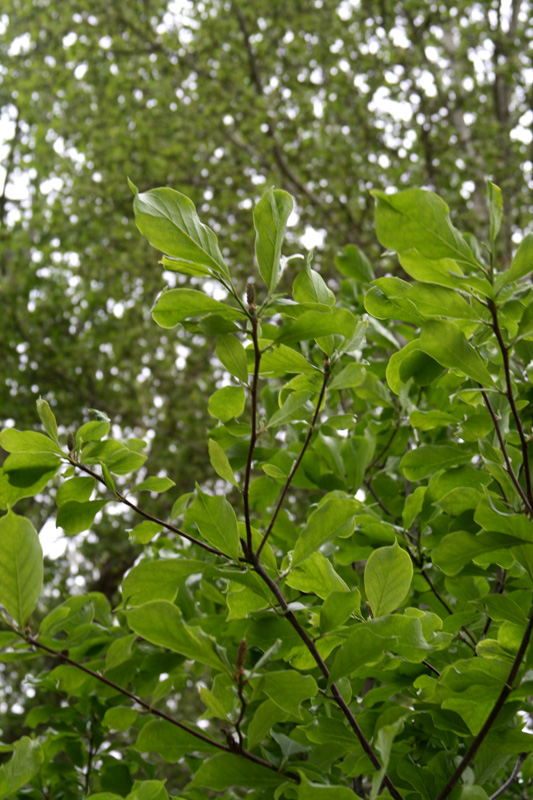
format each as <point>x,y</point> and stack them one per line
<point>216,521</point>
<point>352,375</point>
<point>220,462</point>
<point>92,431</point>
<point>27,442</point>
<point>334,517</point>
<point>21,567</point>
<point>119,718</point>
<point>388,576</point>
<point>76,517</point>
<point>437,301</point>
<point>280,359</point>
<point>446,343</point>
<point>316,324</point>
<point>169,221</point>
<point>522,263</point>
<point>317,791</point>
<point>227,403</point>
<point>47,418</point>
<point>232,355</point>
<point>24,764</point>
<point>338,607</point>
<point>270,219</point>
<point>419,219</point>
<point>75,489</point>
<point>424,461</point>
<point>145,531</point>
<point>178,305</point>
<point>157,580</point>
<point>294,407</point>
<point>148,790</point>
<point>494,196</point>
<point>310,287</point>
<point>316,575</point>
<point>288,689</point>
<point>171,742</point>
<point>353,263</point>
<point>490,519</point>
<point>157,485</point>
<point>160,622</point>
<point>25,475</point>
<point>227,769</point>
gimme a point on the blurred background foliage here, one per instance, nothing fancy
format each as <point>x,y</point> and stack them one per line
<point>220,100</point>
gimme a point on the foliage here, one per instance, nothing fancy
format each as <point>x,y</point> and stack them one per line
<point>350,596</point>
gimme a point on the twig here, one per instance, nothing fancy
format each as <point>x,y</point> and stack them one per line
<point>512,777</point>
<point>201,736</point>
<point>299,459</point>
<point>498,705</point>
<point>167,525</point>
<point>253,436</point>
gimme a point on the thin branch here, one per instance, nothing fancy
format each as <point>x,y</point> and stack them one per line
<point>498,705</point>
<point>201,736</point>
<point>508,464</point>
<point>378,500</point>
<point>308,642</point>
<point>299,459</point>
<point>512,777</point>
<point>510,396</point>
<point>167,525</point>
<point>253,436</point>
<point>431,667</point>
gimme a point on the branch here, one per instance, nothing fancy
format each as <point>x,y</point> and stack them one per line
<point>299,459</point>
<point>253,437</point>
<point>167,525</point>
<point>498,705</point>
<point>512,777</point>
<point>308,642</point>
<point>201,736</point>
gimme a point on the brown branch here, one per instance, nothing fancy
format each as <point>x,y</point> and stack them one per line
<point>167,525</point>
<point>253,436</point>
<point>512,777</point>
<point>201,736</point>
<point>498,705</point>
<point>299,459</point>
<point>310,645</point>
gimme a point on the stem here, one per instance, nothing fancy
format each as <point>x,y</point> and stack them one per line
<point>308,642</point>
<point>253,437</point>
<point>167,525</point>
<point>525,500</point>
<point>512,777</point>
<point>505,355</point>
<point>298,461</point>
<point>498,705</point>
<point>201,736</point>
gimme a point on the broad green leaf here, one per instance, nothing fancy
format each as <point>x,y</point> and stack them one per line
<point>424,461</point>
<point>75,489</point>
<point>227,769</point>
<point>27,442</point>
<point>338,607</point>
<point>334,517</point>
<point>310,287</point>
<point>153,484</point>
<point>352,375</point>
<point>316,575</point>
<point>145,531</point>
<point>119,651</point>
<point>220,462</point>
<point>419,219</point>
<point>295,407</point>
<point>317,791</point>
<point>92,431</point>
<point>157,580</point>
<point>288,689</point>
<point>76,517</point>
<point>396,306</point>
<point>178,305</point>
<point>232,355</point>
<point>160,622</point>
<point>494,196</point>
<point>316,324</point>
<point>148,790</point>
<point>522,263</point>
<point>446,343</point>
<point>24,764</point>
<point>119,718</point>
<point>438,301</point>
<point>443,272</point>
<point>270,219</point>
<point>25,475</point>
<point>227,403</point>
<point>184,267</point>
<point>280,359</point>
<point>411,362</point>
<point>490,519</point>
<point>170,741</point>
<point>413,506</point>
<point>21,567</point>
<point>353,263</point>
<point>388,576</point>
<point>363,646</point>
<point>266,716</point>
<point>48,419</point>
<point>215,519</point>
<point>169,221</point>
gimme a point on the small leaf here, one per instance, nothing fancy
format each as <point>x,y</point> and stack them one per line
<point>171,742</point>
<point>153,484</point>
<point>319,791</point>
<point>352,375</point>
<point>76,517</point>
<point>119,718</point>
<point>294,407</point>
<point>227,403</point>
<point>316,324</point>
<point>310,287</point>
<point>47,418</point>
<point>353,263</point>
<point>494,196</point>
<point>21,567</point>
<point>288,689</point>
<point>232,355</point>
<point>522,263</point>
<point>388,575</point>
<point>145,531</point>
<point>178,305</point>
<point>270,219</point>
<point>220,462</point>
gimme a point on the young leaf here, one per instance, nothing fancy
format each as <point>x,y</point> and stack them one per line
<point>169,221</point>
<point>220,462</point>
<point>232,355</point>
<point>47,418</point>
<point>388,575</point>
<point>153,484</point>
<point>227,403</point>
<point>494,196</point>
<point>270,218</point>
<point>177,305</point>
<point>294,407</point>
<point>21,567</point>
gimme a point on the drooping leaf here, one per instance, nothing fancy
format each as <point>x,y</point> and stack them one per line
<point>21,567</point>
<point>220,462</point>
<point>77,489</point>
